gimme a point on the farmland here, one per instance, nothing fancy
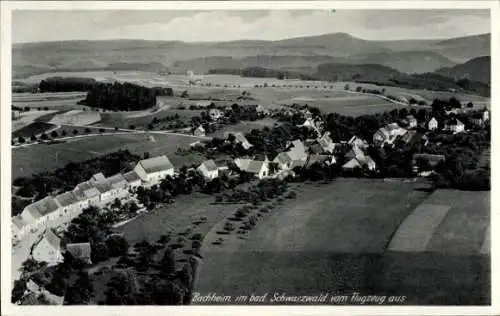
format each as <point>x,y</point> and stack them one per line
<point>334,240</point>
<point>41,157</point>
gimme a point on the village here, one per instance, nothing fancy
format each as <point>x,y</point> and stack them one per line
<point>38,229</point>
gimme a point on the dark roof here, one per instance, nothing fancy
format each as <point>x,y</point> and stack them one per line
<point>79,250</point>
<point>46,205</point>
<point>131,176</point>
<point>156,164</point>
<point>67,198</point>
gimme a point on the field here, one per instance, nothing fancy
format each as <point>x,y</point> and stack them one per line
<point>34,128</point>
<point>245,127</point>
<point>333,238</point>
<point>175,218</point>
<point>53,101</point>
<point>41,157</point>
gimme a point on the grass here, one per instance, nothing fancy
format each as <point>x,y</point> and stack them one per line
<point>176,218</point>
<point>245,127</point>
<point>333,238</point>
<point>34,128</point>
<point>417,230</point>
<point>37,158</point>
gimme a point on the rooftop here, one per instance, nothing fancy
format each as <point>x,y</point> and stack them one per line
<point>46,205</point>
<point>79,250</point>
<point>156,164</point>
<point>210,165</point>
<point>67,198</point>
<point>131,176</point>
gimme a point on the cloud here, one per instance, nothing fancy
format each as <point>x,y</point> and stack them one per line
<point>31,26</point>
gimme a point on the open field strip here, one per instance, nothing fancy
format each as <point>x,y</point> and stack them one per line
<point>417,230</point>
<point>36,158</point>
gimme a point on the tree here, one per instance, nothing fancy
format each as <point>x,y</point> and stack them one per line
<point>63,133</point>
<point>184,94</point>
<point>87,130</point>
<point>75,132</point>
<point>167,263</point>
<point>131,127</point>
<point>101,130</point>
<point>99,252</point>
<point>81,291</point>
<point>21,140</point>
<point>33,138</point>
<point>117,246</point>
<point>18,290</point>
<point>54,134</point>
<point>470,105</point>
<point>28,190</point>
<point>346,87</point>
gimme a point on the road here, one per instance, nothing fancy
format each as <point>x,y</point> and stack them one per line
<point>121,131</point>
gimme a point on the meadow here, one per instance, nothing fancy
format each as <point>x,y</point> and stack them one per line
<point>334,238</point>
<point>43,157</point>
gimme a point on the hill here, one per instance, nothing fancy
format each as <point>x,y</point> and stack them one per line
<point>477,69</point>
<point>406,56</point>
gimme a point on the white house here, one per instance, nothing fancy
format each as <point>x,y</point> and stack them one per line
<point>80,251</point>
<point>133,179</point>
<point>215,114</point>
<point>358,142</point>
<point>89,191</point>
<point>455,126</point>
<point>283,160</point>
<point>411,121</point>
<point>208,169</point>
<point>119,186</point>
<point>48,249</point>
<point>105,191</point>
<point>351,164</point>
<point>239,138</point>
<point>41,212</point>
<point>199,131</point>
<point>153,170</point>
<point>367,162</point>
<point>259,168</point>
<point>388,134</point>
<point>486,115</point>
<point>71,205</point>
<point>326,143</point>
<point>432,124</point>
<point>19,227</point>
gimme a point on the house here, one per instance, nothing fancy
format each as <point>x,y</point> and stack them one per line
<point>199,131</point>
<point>133,179</point>
<point>477,120</point>
<point>407,138</point>
<point>71,205</point>
<point>239,138</point>
<point>326,160</point>
<point>208,169</point>
<point>153,170</point>
<point>354,152</point>
<point>297,150</point>
<point>283,160</point>
<point>80,251</point>
<point>119,186</point>
<point>37,295</point>
<point>326,143</point>
<point>197,143</point>
<point>426,162</point>
<point>214,114</point>
<point>367,162</point>
<point>410,121</point>
<point>89,192</point>
<point>455,126</point>
<point>388,134</point>
<point>358,142</point>
<point>360,162</point>
<point>311,124</point>
<point>48,249</point>
<point>98,177</point>
<point>105,191</point>
<point>19,227</point>
<point>261,110</point>
<point>486,115</point>
<point>258,168</point>
<point>39,213</point>
<point>351,164</point>
<point>432,124</point>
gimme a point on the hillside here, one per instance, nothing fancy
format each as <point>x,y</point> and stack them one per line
<point>406,56</point>
<point>478,69</point>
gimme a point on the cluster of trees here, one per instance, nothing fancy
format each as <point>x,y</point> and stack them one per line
<point>263,191</point>
<point>66,178</point>
<point>168,122</point>
<point>66,84</point>
<point>260,72</point>
<point>121,96</point>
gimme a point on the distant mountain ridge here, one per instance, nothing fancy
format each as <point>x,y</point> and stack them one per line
<point>477,69</point>
<point>406,56</point>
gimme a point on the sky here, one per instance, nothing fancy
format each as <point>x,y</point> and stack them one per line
<point>199,26</point>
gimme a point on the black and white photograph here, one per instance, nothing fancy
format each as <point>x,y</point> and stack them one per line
<point>220,156</point>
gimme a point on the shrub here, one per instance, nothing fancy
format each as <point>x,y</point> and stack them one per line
<point>54,134</point>
<point>228,226</point>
